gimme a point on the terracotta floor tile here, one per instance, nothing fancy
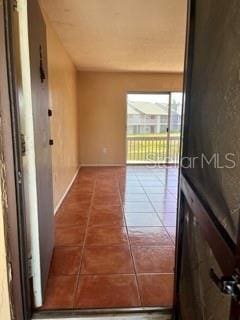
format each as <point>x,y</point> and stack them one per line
<point>106,236</point>
<point>149,236</point>
<point>87,188</point>
<point>156,290</point>
<point>151,183</point>
<point>76,207</point>
<point>172,190</point>
<point>132,189</point>
<point>171,183</point>
<point>78,192</point>
<point>76,201</point>
<point>131,183</point>
<point>171,178</point>
<point>76,195</point>
<point>107,260</point>
<point>106,199</point>
<point>172,232</point>
<point>107,186</point>
<point>107,273</point>
<point>139,207</point>
<point>142,220</point>
<point>153,259</point>
<point>106,174</point>
<point>83,179</point>
<point>144,174</point>
<point>110,291</point>
<point>156,190</point>
<point>106,183</point>
<point>100,194</point>
<point>163,197</point>
<point>111,180</point>
<point>106,219</point>
<point>69,236</point>
<point>127,178</point>
<point>168,219</point>
<point>106,190</point>
<point>162,206</point>
<point>148,178</point>
<point>135,197</point>
<point>107,209</point>
<point>66,261</point>
<point>60,292</point>
<point>69,218</point>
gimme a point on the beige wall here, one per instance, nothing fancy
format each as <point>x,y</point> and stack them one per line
<point>102,111</point>
<point>64,122</point>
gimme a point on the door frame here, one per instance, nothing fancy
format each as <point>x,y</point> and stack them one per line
<point>16,219</point>
<point>188,62</point>
<point>12,151</point>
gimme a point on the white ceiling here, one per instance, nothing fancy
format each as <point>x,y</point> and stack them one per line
<point>121,35</point>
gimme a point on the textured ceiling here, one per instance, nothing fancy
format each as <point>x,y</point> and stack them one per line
<point>121,35</point>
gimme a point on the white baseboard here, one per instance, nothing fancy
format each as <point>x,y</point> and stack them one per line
<point>66,192</point>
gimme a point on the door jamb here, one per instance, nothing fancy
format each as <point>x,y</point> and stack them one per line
<point>188,64</point>
<point>21,299</point>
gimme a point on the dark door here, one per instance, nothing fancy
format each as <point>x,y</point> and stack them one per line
<point>208,275</point>
<point>39,85</point>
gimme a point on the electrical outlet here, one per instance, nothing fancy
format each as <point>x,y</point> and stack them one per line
<point>104,150</point>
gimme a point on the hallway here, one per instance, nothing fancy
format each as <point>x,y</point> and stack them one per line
<point>114,240</point>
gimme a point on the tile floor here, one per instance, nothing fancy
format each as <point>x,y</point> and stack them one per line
<point>115,235</point>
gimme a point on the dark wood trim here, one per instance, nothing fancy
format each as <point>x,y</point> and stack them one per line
<point>188,67</point>
<point>214,233</point>
<point>178,252</point>
<point>188,63</point>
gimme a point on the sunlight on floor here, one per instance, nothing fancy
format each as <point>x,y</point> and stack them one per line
<point>115,234</point>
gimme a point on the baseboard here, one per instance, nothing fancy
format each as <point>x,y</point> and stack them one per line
<point>66,192</point>
<point>103,165</point>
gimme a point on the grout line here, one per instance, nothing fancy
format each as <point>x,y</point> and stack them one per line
<point>174,245</point>
<point>129,244</point>
<point>150,201</point>
<point>84,241</point>
<point>156,210</point>
<point>83,246</point>
<point>173,241</point>
<point>109,274</point>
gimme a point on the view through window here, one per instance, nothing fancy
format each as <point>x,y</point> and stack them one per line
<point>154,127</point>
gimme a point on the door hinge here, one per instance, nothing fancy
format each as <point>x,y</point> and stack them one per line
<point>30,274</point>
<point>19,177</point>
<point>229,285</point>
<point>41,68</point>
<point>23,144</point>
<point>15,5</point>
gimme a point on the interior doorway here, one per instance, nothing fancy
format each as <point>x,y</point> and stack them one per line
<point>115,225</point>
<point>153,128</point>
